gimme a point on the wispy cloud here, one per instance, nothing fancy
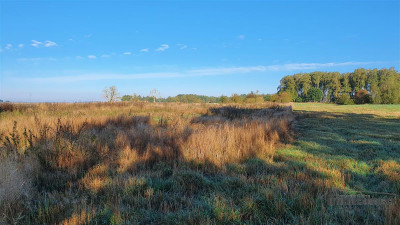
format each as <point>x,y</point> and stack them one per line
<point>1,50</point>
<point>127,53</point>
<point>88,35</point>
<point>21,45</point>
<point>105,56</point>
<point>47,44</point>
<point>199,72</point>
<point>92,57</point>
<point>241,37</point>
<point>79,57</point>
<point>163,47</point>
<point>36,44</point>
<point>182,46</point>
<point>8,46</point>
<point>144,50</point>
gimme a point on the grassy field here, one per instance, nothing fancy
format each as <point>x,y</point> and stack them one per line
<point>146,163</point>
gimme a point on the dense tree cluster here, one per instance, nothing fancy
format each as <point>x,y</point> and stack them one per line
<point>361,86</point>
<point>252,97</point>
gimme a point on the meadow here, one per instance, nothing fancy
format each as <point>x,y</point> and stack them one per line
<point>174,163</point>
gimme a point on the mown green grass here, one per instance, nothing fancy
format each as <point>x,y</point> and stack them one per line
<point>354,139</point>
<point>388,111</point>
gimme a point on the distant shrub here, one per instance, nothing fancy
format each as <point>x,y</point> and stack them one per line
<point>314,95</point>
<point>344,99</point>
<point>267,98</point>
<point>223,99</point>
<point>6,107</point>
<point>299,99</point>
<point>362,97</point>
<point>236,98</point>
<point>126,98</point>
<point>285,97</point>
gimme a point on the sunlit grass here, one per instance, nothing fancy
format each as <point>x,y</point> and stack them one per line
<point>198,164</point>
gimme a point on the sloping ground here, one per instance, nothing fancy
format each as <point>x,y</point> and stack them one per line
<point>192,164</point>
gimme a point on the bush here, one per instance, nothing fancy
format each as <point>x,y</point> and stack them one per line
<point>285,97</point>
<point>344,99</point>
<point>223,99</point>
<point>314,95</point>
<point>299,99</point>
<point>6,107</point>
<point>267,97</point>
<point>362,97</point>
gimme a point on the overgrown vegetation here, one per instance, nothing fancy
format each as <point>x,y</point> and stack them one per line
<point>171,163</point>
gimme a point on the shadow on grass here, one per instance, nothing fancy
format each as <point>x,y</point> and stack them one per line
<point>163,187</point>
<point>362,137</point>
<point>354,143</point>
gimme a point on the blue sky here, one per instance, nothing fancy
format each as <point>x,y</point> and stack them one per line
<point>71,50</point>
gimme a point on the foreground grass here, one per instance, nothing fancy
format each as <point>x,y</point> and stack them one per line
<point>197,164</point>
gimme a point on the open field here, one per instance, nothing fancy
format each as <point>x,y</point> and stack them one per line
<point>171,163</point>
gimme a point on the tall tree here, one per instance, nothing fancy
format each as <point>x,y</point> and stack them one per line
<point>154,94</point>
<point>111,94</point>
<point>288,84</point>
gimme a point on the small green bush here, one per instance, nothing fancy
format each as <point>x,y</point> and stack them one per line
<point>345,99</point>
<point>299,99</point>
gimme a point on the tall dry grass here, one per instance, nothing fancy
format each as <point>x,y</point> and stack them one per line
<point>78,146</point>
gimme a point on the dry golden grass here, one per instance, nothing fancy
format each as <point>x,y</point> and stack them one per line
<point>390,169</point>
<point>146,163</point>
<point>80,145</point>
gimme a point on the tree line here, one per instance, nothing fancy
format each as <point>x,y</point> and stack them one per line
<point>361,86</point>
<point>358,87</point>
<point>252,97</point>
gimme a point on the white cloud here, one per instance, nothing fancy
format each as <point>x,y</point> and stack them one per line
<point>127,53</point>
<point>145,50</point>
<point>199,72</point>
<point>21,45</point>
<point>105,56</point>
<point>182,46</point>
<point>8,46</point>
<point>50,44</point>
<point>163,47</point>
<point>47,44</point>
<point>92,57</point>
<point>241,37</point>
<point>1,50</point>
<point>79,57</point>
<point>36,44</point>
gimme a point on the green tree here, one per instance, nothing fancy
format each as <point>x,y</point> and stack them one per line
<point>236,98</point>
<point>223,99</point>
<point>314,95</point>
<point>126,98</point>
<point>288,84</point>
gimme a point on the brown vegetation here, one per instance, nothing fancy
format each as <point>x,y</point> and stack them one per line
<point>79,145</point>
<point>170,163</point>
